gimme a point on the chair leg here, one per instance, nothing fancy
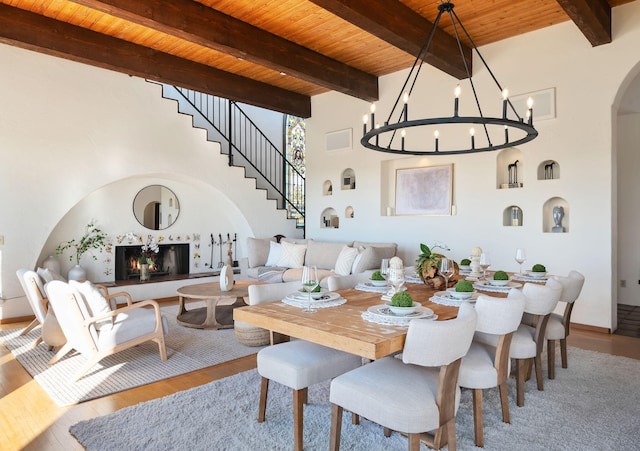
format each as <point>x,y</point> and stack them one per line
<point>504,401</point>
<point>262,406</point>
<point>520,374</point>
<point>30,327</point>
<point>563,352</point>
<point>451,434</point>
<point>477,417</point>
<point>551,359</point>
<point>538,364</point>
<point>336,427</point>
<point>386,432</point>
<point>355,419</point>
<point>299,397</point>
<point>64,350</point>
<point>414,442</point>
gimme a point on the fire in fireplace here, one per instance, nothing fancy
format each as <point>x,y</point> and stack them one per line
<point>171,259</point>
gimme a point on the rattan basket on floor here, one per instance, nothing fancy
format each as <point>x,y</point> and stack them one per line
<point>250,335</point>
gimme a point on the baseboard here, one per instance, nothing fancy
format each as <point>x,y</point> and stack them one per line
<point>587,327</point>
<point>17,319</point>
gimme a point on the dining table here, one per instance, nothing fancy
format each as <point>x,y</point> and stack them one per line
<point>342,326</point>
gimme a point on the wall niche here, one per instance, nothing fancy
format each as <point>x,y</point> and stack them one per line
<point>549,170</point>
<point>348,179</point>
<point>556,216</point>
<point>327,188</point>
<point>329,219</point>
<point>512,216</point>
<point>509,169</point>
<point>349,212</point>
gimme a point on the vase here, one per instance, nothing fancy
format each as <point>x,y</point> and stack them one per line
<point>52,264</point>
<point>77,273</point>
<point>226,278</point>
<point>144,272</point>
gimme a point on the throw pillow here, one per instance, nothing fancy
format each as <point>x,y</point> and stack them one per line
<point>345,260</point>
<point>95,302</point>
<point>292,255</point>
<point>275,250</point>
<point>368,258</point>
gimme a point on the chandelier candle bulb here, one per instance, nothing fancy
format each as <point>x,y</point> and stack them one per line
<point>530,110</point>
<point>437,135</point>
<point>373,115</point>
<point>472,132</point>
<point>403,133</point>
<point>405,99</point>
<point>364,123</point>
<point>505,100</point>
<point>456,100</point>
<point>506,134</point>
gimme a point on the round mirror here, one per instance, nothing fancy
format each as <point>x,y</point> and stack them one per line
<point>156,207</point>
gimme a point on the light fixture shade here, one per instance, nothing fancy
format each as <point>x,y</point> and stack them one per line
<point>484,133</point>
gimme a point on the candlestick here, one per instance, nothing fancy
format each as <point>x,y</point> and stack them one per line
<point>530,110</point>
<point>405,99</point>
<point>364,124</point>
<point>506,134</point>
<point>472,131</point>
<point>505,96</point>
<point>455,102</point>
<point>403,133</point>
<point>436,134</point>
<point>373,116</point>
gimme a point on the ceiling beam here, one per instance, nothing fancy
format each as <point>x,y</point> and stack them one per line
<point>49,36</point>
<point>593,18</point>
<point>207,27</point>
<point>402,27</point>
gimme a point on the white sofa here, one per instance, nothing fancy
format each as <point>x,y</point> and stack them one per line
<point>269,261</point>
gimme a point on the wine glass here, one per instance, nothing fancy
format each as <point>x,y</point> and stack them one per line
<point>447,269</point>
<point>521,257</point>
<point>309,283</point>
<point>384,268</point>
<point>485,262</point>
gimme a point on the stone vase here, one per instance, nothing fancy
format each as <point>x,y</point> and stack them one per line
<point>77,273</point>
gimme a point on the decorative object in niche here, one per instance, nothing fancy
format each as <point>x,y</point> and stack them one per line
<point>424,190</point>
<point>348,179</point>
<point>327,188</point>
<point>349,212</point>
<point>549,170</point>
<point>156,207</point>
<point>558,214</point>
<point>513,175</point>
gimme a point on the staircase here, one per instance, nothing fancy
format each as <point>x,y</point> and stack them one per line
<point>245,146</point>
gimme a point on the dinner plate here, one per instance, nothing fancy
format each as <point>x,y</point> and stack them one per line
<point>384,311</point>
<point>301,296</point>
<point>489,286</point>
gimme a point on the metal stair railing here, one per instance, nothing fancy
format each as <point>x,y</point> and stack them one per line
<point>247,146</point>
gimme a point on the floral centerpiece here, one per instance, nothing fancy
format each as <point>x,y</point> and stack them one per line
<point>427,266</point>
<point>149,248</point>
<point>93,238</point>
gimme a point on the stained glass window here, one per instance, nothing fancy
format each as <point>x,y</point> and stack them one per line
<point>296,153</point>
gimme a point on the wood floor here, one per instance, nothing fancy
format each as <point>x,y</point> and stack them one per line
<point>29,420</point>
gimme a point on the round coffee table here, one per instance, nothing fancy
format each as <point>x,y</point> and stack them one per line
<point>218,310</point>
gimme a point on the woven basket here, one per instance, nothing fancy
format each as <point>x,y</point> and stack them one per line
<point>250,335</point>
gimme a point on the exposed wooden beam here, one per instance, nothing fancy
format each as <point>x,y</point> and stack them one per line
<point>199,24</point>
<point>593,18</point>
<point>399,25</point>
<point>42,34</point>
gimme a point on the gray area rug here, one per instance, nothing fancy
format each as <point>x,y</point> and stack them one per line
<point>592,405</point>
<point>188,350</point>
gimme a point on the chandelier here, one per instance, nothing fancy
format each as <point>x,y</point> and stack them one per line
<point>494,132</point>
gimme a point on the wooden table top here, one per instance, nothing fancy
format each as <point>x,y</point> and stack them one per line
<point>212,289</point>
<point>342,327</point>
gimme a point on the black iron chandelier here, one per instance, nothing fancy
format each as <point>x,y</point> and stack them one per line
<point>497,132</point>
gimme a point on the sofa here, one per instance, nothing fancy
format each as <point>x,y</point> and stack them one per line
<point>271,261</point>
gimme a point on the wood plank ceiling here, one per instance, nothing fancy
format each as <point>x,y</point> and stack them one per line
<point>276,54</point>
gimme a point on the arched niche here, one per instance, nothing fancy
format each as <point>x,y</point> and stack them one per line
<point>348,179</point>
<point>510,168</point>
<point>555,210</point>
<point>349,212</point>
<point>549,170</point>
<point>327,188</point>
<point>512,216</point>
<point>329,219</point>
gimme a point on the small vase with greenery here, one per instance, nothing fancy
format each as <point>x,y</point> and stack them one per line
<point>149,248</point>
<point>93,239</point>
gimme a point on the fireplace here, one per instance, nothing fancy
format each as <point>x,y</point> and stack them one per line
<point>171,259</point>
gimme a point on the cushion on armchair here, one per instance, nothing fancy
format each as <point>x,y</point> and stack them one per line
<point>95,302</point>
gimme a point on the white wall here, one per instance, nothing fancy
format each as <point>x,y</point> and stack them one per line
<point>78,142</point>
<point>586,80</point>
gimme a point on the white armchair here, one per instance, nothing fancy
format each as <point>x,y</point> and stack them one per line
<point>96,331</point>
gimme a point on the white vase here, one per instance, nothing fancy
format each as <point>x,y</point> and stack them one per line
<point>77,273</point>
<point>52,264</point>
<point>226,278</point>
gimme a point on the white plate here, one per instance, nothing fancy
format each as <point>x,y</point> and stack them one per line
<point>324,296</point>
<point>385,312</point>
<point>506,287</point>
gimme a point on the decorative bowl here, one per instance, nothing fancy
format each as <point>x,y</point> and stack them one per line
<point>498,283</point>
<point>314,295</point>
<point>462,295</point>
<point>378,283</point>
<point>465,267</point>
<point>536,274</point>
<point>403,311</point>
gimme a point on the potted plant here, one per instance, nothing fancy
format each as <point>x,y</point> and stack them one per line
<point>93,239</point>
<point>148,248</point>
<point>427,266</point>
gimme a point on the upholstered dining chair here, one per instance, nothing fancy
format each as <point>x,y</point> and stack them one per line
<point>296,364</point>
<point>417,394</point>
<point>486,366</point>
<point>559,325</point>
<point>344,282</point>
<point>50,332</point>
<point>528,340</point>
<point>96,331</point>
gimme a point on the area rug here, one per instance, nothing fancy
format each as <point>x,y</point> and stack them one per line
<point>188,350</point>
<point>592,405</point>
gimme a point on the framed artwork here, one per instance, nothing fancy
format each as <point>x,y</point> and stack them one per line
<point>424,190</point>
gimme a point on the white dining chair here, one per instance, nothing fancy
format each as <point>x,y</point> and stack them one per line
<point>558,327</point>
<point>296,364</point>
<point>486,366</point>
<point>414,395</point>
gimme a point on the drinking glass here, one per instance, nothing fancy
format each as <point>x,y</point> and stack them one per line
<point>521,257</point>
<point>384,268</point>
<point>447,269</point>
<point>309,283</point>
<point>485,262</point>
